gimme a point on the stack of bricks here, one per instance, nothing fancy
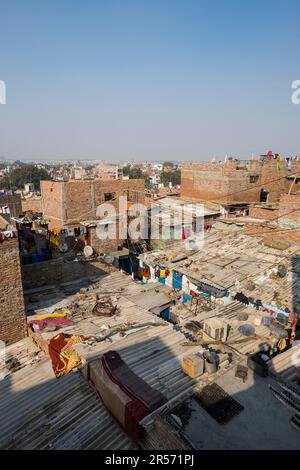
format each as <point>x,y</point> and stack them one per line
<point>263,213</point>
<point>12,310</point>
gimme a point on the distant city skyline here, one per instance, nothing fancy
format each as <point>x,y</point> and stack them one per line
<point>137,80</point>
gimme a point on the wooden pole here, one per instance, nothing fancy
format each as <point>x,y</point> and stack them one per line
<point>291,187</point>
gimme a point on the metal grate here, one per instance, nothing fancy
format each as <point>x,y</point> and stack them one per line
<point>221,406</point>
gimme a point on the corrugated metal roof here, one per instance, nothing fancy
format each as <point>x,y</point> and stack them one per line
<point>39,411</point>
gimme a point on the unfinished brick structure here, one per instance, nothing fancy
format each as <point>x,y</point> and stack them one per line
<point>66,203</point>
<point>33,204</point>
<point>289,210</point>
<point>231,182</point>
<point>13,201</point>
<point>12,311</point>
<point>266,213</point>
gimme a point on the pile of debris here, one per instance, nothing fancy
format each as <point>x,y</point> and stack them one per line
<point>104,307</point>
<point>17,356</point>
<point>89,303</point>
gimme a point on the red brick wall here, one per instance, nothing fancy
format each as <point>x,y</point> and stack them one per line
<point>13,202</point>
<point>32,204</point>
<point>289,209</point>
<point>262,213</point>
<point>52,202</point>
<point>230,182</point>
<point>68,203</point>
<point>255,229</point>
<point>12,313</point>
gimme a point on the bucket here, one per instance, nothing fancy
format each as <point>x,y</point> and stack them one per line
<point>211,365</point>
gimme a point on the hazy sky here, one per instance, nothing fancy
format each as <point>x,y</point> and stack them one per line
<point>149,79</point>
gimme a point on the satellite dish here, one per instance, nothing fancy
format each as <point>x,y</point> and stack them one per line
<point>281,270</point>
<point>88,251</point>
<point>107,259</point>
<point>63,248</point>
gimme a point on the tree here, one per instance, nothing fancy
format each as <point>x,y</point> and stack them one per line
<point>168,165</point>
<point>126,170</point>
<point>136,173</point>
<point>170,176</point>
<point>25,174</point>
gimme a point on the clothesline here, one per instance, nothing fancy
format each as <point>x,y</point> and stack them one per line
<point>69,232</point>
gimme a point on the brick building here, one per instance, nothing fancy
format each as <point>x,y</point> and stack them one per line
<point>33,204</point>
<point>70,202</point>
<point>73,202</point>
<point>236,182</point>
<point>12,311</point>
<point>11,204</point>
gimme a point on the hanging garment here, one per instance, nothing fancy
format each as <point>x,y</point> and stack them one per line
<point>77,231</point>
<point>279,163</point>
<point>194,294</point>
<point>288,164</point>
<point>54,242</point>
<point>162,273</point>
<point>147,274</point>
<point>187,298</point>
<point>70,232</point>
<point>140,273</point>
<point>177,280</point>
<point>152,273</point>
<point>203,294</point>
<point>63,356</point>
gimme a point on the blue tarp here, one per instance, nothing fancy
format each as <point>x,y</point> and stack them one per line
<point>177,280</point>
